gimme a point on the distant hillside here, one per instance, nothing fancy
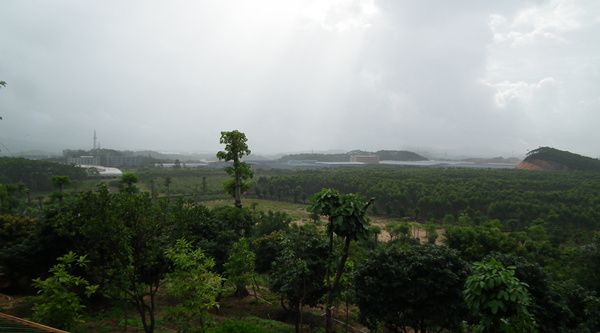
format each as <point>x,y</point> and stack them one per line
<point>384,155</point>
<point>399,155</point>
<point>510,160</point>
<point>547,158</point>
<point>315,157</point>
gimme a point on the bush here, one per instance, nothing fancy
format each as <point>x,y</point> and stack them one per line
<point>231,326</point>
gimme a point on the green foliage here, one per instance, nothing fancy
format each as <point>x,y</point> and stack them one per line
<point>237,326</point>
<point>59,304</point>
<point>193,283</point>
<point>297,272</point>
<point>499,298</point>
<point>346,213</point>
<point>36,174</point>
<point>388,155</point>
<point>124,238</point>
<point>272,221</point>
<point>239,269</point>
<point>203,183</point>
<point>570,160</point>
<point>419,287</point>
<point>129,179</point>
<point>474,243</point>
<point>235,149</point>
<point>566,201</point>
<point>14,229</point>
<point>267,248</point>
<point>586,264</point>
<point>60,182</point>
<point>556,307</point>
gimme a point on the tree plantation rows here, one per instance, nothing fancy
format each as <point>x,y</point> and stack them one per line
<point>566,205</point>
<point>517,252</point>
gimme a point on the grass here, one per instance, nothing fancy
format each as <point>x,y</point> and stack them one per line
<point>296,211</point>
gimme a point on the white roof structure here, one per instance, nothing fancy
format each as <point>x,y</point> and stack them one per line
<point>103,172</point>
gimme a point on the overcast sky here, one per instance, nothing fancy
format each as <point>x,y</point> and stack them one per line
<point>300,75</point>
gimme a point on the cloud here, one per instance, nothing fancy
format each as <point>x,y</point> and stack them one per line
<point>339,15</point>
<point>302,74</point>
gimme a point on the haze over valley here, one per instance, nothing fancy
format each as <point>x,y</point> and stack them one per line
<point>479,79</point>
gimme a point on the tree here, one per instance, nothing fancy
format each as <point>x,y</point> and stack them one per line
<point>297,272</point>
<point>14,229</point>
<point>168,182</point>
<point>587,267</point>
<point>239,269</point>
<point>129,179</point>
<point>124,237</point>
<point>235,149</point>
<point>346,214</point>
<point>419,287</point>
<point>474,243</point>
<point>193,283</point>
<point>59,304</point>
<point>272,221</point>
<point>548,304</point>
<point>499,298</point>
<point>60,182</point>
<point>204,186</point>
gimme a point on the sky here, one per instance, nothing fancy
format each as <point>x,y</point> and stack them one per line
<point>501,77</point>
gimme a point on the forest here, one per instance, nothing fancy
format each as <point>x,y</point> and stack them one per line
<point>506,250</point>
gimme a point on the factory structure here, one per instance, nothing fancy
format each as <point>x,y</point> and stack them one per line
<point>93,165</point>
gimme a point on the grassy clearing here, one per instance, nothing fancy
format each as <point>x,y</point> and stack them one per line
<point>298,212</point>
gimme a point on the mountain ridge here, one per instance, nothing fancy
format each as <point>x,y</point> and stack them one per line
<point>548,158</point>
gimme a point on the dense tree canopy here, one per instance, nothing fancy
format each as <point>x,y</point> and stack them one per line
<point>419,287</point>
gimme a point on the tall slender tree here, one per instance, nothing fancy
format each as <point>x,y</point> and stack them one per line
<point>235,149</point>
<point>346,213</point>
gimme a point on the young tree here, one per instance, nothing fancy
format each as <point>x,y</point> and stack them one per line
<point>235,149</point>
<point>204,185</point>
<point>193,283</point>
<point>346,219</point>
<point>60,182</point>
<point>14,229</point>
<point>168,182</point>
<point>239,269</point>
<point>129,179</point>
<point>123,236</point>
<point>59,304</point>
<point>499,298</point>
<point>297,272</point>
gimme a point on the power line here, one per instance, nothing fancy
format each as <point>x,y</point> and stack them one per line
<point>5,147</point>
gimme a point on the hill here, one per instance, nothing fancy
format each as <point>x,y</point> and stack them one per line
<point>547,158</point>
<point>384,155</point>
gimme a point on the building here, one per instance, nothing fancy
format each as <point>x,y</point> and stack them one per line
<point>367,159</point>
<point>123,160</point>
<point>84,160</point>
<point>101,171</point>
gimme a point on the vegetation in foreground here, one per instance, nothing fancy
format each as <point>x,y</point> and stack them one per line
<point>519,253</point>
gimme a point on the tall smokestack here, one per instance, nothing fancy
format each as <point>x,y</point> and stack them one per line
<point>94,139</point>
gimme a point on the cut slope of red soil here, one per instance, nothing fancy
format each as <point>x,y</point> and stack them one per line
<point>535,164</point>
